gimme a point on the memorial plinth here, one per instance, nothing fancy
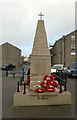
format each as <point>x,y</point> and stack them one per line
<point>34,99</point>
<point>40,65</point>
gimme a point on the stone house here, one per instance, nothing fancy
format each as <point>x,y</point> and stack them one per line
<point>64,50</point>
<point>11,55</point>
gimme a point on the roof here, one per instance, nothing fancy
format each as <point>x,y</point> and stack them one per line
<point>11,45</point>
<point>73,32</point>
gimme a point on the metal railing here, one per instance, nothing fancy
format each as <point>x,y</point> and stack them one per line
<point>61,77</point>
<point>22,82</point>
<point>19,83</point>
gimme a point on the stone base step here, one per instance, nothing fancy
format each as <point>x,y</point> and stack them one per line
<point>34,99</point>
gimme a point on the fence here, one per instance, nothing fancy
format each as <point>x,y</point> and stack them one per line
<point>61,77</point>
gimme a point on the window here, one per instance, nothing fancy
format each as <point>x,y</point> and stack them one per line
<point>73,47</point>
<point>73,50</point>
<point>73,53</point>
<point>73,37</point>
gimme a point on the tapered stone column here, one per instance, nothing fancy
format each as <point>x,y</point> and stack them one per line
<point>40,58</point>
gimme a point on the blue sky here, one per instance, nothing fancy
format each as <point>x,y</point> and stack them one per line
<point>18,21</point>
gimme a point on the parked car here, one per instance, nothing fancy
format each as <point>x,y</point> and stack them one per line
<point>72,70</point>
<point>8,67</point>
<point>56,67</point>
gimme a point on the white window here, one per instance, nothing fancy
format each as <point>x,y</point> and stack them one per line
<point>72,47</point>
<point>73,37</point>
<point>73,53</point>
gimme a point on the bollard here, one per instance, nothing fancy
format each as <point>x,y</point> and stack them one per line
<point>24,92</point>
<point>18,86</point>
<point>13,75</point>
<point>20,82</point>
<point>65,87</point>
<point>6,73</point>
<point>60,88</point>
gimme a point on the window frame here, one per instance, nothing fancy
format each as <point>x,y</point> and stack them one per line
<point>73,37</point>
<point>73,48</point>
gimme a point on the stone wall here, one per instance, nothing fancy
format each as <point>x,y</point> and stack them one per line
<point>11,55</point>
<point>62,52</point>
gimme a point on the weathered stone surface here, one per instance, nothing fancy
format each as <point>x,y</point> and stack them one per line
<point>40,46</point>
<point>33,99</point>
<point>40,59</point>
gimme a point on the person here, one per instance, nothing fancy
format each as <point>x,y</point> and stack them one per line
<point>28,79</point>
<point>28,71</point>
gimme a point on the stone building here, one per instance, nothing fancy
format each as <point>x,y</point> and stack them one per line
<point>63,51</point>
<point>11,54</point>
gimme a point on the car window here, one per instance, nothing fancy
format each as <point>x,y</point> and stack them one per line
<point>56,67</point>
<point>73,65</point>
<point>10,65</point>
<point>7,65</point>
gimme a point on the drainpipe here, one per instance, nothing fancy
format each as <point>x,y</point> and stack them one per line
<point>64,51</point>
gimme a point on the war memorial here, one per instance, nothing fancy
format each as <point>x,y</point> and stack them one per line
<point>43,88</point>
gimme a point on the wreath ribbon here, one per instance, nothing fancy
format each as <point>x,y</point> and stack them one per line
<point>39,90</point>
<point>51,89</point>
<point>45,82</point>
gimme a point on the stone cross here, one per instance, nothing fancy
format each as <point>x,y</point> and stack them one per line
<point>40,15</point>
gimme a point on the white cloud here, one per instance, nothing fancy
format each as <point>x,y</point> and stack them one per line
<point>19,20</point>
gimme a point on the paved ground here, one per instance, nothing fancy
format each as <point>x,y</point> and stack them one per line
<point>8,89</point>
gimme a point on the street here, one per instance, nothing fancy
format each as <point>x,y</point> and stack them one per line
<point>8,111</point>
